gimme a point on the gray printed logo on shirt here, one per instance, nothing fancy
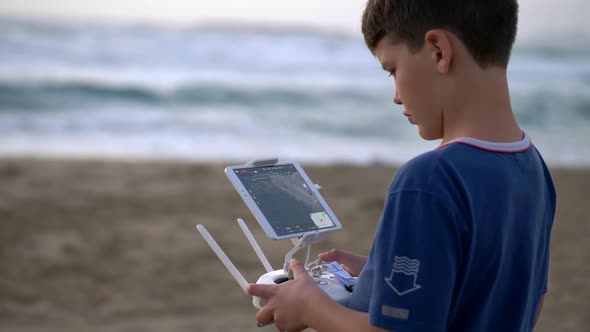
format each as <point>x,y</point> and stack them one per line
<point>403,275</point>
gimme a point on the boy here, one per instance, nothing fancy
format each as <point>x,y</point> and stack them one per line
<point>463,243</point>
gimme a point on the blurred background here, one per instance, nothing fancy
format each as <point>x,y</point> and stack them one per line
<point>219,81</point>
<point>117,117</point>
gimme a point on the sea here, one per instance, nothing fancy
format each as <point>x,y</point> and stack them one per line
<point>222,92</point>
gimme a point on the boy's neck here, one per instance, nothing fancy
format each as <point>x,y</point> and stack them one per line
<point>480,107</point>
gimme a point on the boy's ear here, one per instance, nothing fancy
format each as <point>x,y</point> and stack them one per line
<point>439,44</point>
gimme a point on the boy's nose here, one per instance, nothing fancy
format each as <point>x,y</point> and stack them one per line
<point>397,99</point>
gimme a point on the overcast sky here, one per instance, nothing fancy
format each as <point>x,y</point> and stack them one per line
<point>539,19</point>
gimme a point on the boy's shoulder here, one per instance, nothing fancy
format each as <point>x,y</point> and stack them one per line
<point>466,172</point>
<point>451,165</point>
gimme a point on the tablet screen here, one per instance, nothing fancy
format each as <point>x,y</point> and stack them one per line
<point>284,198</point>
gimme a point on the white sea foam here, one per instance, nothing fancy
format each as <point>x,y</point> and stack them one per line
<point>216,94</point>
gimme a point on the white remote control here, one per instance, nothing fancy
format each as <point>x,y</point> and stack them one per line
<point>325,279</point>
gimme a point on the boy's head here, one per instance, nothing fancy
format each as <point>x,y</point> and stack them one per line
<point>445,56</point>
<point>487,28</point>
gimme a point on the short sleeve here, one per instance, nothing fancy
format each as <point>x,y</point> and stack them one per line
<point>417,255</point>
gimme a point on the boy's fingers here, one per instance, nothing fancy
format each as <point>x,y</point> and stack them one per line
<point>297,268</point>
<point>346,269</point>
<point>264,316</point>
<point>260,290</point>
<point>330,256</point>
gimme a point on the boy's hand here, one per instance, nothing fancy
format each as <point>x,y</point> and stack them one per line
<point>287,303</point>
<point>353,264</point>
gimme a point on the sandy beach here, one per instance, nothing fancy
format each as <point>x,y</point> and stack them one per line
<point>112,246</point>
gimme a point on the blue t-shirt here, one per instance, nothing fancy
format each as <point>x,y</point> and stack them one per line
<point>463,243</point>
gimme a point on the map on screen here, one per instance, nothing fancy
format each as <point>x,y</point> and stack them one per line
<point>284,198</point>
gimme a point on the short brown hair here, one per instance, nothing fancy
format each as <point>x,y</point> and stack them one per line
<point>486,27</point>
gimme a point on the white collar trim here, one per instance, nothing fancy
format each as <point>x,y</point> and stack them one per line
<point>511,147</point>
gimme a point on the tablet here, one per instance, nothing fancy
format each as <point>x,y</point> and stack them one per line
<point>283,199</point>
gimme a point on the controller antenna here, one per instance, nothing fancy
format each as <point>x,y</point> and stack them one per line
<point>255,246</point>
